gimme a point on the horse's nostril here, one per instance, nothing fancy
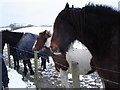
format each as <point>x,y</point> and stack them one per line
<point>55,50</point>
<point>54,47</point>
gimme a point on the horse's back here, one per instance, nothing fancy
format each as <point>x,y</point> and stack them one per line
<point>25,45</point>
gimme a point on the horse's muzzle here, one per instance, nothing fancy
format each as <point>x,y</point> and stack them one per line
<point>55,51</point>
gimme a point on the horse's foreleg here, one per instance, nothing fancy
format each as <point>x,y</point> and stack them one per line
<point>18,66</point>
<point>43,63</point>
<point>16,63</point>
<point>25,67</point>
<point>64,78</point>
<point>30,67</point>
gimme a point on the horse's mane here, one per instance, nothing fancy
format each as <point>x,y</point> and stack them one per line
<point>100,9</point>
<point>5,30</point>
<point>11,31</point>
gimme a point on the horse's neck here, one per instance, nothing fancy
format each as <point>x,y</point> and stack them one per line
<point>14,39</point>
<point>3,44</point>
<point>78,21</point>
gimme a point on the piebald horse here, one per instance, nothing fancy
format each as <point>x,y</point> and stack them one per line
<point>98,28</point>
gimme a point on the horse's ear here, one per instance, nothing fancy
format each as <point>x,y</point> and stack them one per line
<point>67,6</point>
<point>72,6</point>
<point>45,31</point>
<point>47,35</point>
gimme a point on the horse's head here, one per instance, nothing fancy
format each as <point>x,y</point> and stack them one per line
<point>58,59</point>
<point>41,40</point>
<point>63,31</point>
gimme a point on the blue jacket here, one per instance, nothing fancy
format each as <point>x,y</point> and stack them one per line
<point>5,79</point>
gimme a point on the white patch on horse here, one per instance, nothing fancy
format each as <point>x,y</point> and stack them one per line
<point>77,44</point>
<point>81,56</point>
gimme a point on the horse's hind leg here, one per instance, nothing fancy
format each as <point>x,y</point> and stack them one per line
<point>30,67</point>
<point>25,67</point>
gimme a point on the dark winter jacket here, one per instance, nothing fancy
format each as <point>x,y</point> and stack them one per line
<point>5,79</point>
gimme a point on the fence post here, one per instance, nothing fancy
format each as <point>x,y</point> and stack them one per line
<point>36,69</point>
<point>8,51</point>
<point>75,74</point>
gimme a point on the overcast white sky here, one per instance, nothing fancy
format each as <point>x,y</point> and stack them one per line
<point>39,12</point>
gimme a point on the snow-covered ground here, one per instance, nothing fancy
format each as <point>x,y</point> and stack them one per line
<point>16,80</point>
<point>86,81</point>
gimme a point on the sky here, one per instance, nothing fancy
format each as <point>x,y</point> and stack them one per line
<point>39,12</point>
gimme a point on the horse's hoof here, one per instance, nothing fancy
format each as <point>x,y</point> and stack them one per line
<point>24,73</point>
<point>43,69</point>
<point>18,68</point>
<point>32,73</point>
<point>15,68</point>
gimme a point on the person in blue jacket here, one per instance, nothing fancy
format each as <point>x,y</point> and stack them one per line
<point>5,79</point>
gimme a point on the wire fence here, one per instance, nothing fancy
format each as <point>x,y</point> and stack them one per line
<point>67,67</point>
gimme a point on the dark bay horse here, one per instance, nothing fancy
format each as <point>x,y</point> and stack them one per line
<point>98,28</point>
<point>12,38</point>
